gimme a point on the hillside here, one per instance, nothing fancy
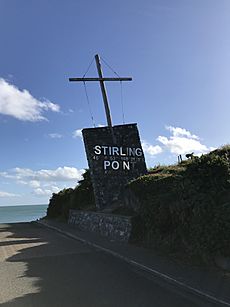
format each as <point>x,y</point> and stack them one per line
<point>182,208</point>
<point>81,197</point>
<point>186,207</point>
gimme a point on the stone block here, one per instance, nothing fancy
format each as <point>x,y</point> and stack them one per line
<point>115,157</point>
<point>114,227</point>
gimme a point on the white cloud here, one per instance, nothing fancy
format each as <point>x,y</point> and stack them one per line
<point>150,149</point>
<point>21,104</point>
<point>55,135</point>
<point>60,174</point>
<point>34,183</point>
<point>43,182</point>
<point>6,194</point>
<point>77,133</point>
<point>179,132</point>
<point>46,192</point>
<point>183,141</point>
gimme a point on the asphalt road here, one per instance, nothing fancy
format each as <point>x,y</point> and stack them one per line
<point>40,267</point>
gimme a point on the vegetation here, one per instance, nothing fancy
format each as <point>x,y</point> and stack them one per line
<point>186,207</point>
<point>81,198</point>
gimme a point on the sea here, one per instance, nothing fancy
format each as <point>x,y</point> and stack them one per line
<point>26,213</point>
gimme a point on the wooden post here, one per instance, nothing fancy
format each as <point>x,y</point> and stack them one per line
<point>101,79</point>
<point>103,90</point>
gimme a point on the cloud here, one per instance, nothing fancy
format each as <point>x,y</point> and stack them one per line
<point>179,132</point>
<point>6,194</point>
<point>21,104</point>
<point>183,141</point>
<point>34,183</point>
<point>55,135</point>
<point>27,175</point>
<point>46,192</point>
<point>44,182</point>
<point>77,134</point>
<point>150,149</point>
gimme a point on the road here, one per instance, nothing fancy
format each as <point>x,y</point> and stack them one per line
<point>40,267</point>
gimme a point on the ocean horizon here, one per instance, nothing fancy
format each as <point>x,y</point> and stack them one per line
<point>22,213</point>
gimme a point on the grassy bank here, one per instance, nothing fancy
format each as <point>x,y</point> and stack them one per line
<point>81,198</point>
<point>184,208</point>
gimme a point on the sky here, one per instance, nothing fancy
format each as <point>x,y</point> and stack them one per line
<point>177,52</point>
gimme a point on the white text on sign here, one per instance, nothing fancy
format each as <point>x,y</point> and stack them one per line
<point>126,153</point>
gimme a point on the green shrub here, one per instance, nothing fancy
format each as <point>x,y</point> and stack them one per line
<point>81,197</point>
<point>58,202</point>
<point>187,208</point>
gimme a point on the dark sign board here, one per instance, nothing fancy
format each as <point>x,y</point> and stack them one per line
<point>114,157</point>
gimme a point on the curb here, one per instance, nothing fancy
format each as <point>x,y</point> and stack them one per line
<point>140,266</point>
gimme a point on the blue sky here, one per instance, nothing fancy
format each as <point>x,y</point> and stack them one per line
<point>178,53</point>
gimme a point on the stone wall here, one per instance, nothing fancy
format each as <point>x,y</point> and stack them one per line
<point>112,226</point>
<point>115,157</point>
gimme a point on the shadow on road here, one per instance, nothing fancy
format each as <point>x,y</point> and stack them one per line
<point>49,263</point>
<point>59,271</point>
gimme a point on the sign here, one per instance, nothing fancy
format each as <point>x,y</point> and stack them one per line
<point>117,158</point>
<point>114,157</point>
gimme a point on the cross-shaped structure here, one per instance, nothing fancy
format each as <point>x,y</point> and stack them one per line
<point>101,79</point>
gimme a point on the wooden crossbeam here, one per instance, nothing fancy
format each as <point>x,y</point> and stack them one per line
<point>101,79</point>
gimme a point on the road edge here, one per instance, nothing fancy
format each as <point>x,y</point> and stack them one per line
<point>139,265</point>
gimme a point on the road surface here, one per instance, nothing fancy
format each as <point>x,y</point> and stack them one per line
<point>40,267</point>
